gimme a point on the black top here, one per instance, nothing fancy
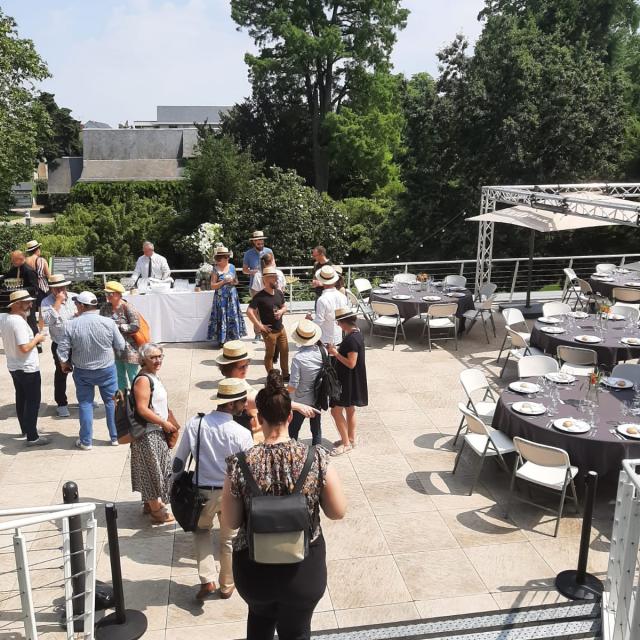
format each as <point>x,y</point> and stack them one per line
<point>316,267</point>
<point>353,381</point>
<point>28,275</point>
<point>266,304</point>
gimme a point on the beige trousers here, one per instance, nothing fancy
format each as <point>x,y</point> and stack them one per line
<point>203,542</point>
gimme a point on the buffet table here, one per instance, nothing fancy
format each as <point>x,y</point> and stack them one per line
<point>175,316</point>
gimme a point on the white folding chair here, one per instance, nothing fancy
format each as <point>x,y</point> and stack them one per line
<point>555,309</point>
<point>571,287</point>
<point>605,268</point>
<point>576,361</point>
<point>483,311</point>
<point>628,371</point>
<point>363,287</point>
<point>387,316</point>
<point>405,278</point>
<point>454,281</point>
<point>513,318</point>
<point>587,296</point>
<point>626,295</point>
<point>519,349</point>
<point>630,313</point>
<point>544,466</point>
<point>475,384</point>
<point>485,442</point>
<point>441,317</point>
<point>536,365</point>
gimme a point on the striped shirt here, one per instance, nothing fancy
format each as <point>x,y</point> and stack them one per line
<point>56,320</point>
<point>91,339</point>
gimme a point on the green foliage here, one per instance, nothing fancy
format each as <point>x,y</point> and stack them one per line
<point>367,222</point>
<point>62,138</point>
<point>167,192</point>
<point>12,237</point>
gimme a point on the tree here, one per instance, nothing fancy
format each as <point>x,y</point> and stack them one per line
<point>22,117</point>
<point>62,138</point>
<point>320,45</point>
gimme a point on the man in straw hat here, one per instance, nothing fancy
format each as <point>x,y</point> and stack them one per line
<point>57,309</point>
<point>251,258</point>
<point>265,311</point>
<point>220,436</point>
<point>330,300</point>
<point>24,366</point>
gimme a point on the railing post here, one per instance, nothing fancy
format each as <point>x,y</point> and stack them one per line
<point>513,280</point>
<point>291,286</point>
<point>70,495</point>
<point>349,278</point>
<point>24,584</point>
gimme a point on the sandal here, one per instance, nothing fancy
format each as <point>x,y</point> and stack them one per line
<point>343,448</point>
<point>161,516</point>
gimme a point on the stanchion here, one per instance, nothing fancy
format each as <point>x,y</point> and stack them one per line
<point>70,495</point>
<point>124,624</point>
<point>578,584</point>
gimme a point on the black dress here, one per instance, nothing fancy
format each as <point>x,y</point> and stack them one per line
<point>353,381</point>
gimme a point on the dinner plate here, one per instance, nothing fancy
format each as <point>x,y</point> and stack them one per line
<point>456,288</point>
<point>549,320</point>
<point>529,408</point>
<point>381,291</point>
<point>588,339</point>
<point>401,296</point>
<point>595,276</point>
<point>632,283</point>
<point>524,387</point>
<point>615,316</point>
<point>431,298</point>
<point>578,314</point>
<point>552,329</point>
<point>387,285</point>
<point>617,383</point>
<point>624,430</point>
<point>571,425</point>
<point>560,377</point>
<point>634,342</point>
<point>623,270</point>
<point>456,294</point>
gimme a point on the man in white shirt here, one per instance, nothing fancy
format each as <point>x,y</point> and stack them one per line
<point>220,437</point>
<point>151,264</point>
<point>23,364</point>
<point>330,300</point>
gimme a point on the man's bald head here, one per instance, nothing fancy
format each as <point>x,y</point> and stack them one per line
<point>17,258</point>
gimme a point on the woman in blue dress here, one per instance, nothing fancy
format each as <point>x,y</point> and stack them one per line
<point>226,321</point>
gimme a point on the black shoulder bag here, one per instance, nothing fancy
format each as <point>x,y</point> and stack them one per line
<point>326,387</point>
<point>278,527</point>
<point>129,425</point>
<point>186,500</point>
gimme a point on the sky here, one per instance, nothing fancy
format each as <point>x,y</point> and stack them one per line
<point>115,60</point>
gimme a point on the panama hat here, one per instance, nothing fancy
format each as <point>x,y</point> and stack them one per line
<point>234,351</point>
<point>19,296</point>
<point>58,280</point>
<point>230,390</point>
<point>327,275</point>
<point>221,250</point>
<point>32,245</point>
<point>306,333</point>
<point>258,235</point>
<point>343,314</point>
<point>269,271</point>
<point>113,287</point>
<point>86,297</point>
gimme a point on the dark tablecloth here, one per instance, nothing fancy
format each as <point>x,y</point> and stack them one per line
<point>603,453</point>
<point>605,288</point>
<point>416,305</point>
<point>610,351</point>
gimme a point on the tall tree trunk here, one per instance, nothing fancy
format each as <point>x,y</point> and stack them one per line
<point>320,153</point>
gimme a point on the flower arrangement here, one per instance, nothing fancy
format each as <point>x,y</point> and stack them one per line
<point>422,277</point>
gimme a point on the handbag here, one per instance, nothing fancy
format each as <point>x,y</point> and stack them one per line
<point>326,387</point>
<point>186,500</point>
<point>278,527</point>
<point>129,426</point>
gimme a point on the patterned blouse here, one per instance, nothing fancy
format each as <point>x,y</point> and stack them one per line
<point>126,318</point>
<point>278,466</point>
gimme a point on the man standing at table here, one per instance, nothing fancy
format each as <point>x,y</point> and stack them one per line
<point>151,264</point>
<point>251,259</point>
<point>88,343</point>
<point>319,255</point>
<point>57,309</point>
<point>330,300</point>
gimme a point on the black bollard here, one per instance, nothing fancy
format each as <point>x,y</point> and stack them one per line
<point>124,624</point>
<point>578,584</point>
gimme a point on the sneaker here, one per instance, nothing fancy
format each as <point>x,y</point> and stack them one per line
<point>84,447</point>
<point>38,442</point>
<point>63,412</point>
<point>115,443</point>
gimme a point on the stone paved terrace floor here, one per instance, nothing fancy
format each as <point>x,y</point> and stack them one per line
<point>413,544</point>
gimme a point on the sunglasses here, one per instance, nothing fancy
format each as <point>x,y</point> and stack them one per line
<point>160,357</point>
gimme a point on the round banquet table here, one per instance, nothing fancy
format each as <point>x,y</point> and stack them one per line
<point>602,453</point>
<point>605,287</point>
<point>415,305</point>
<point>610,351</point>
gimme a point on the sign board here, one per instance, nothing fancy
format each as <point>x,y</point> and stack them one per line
<point>74,268</point>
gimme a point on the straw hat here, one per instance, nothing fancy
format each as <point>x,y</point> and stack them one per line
<point>86,297</point>
<point>343,314</point>
<point>229,390</point>
<point>327,275</point>
<point>306,333</point>
<point>19,296</point>
<point>57,280</point>
<point>113,287</point>
<point>269,271</point>
<point>258,235</point>
<point>32,245</point>
<point>221,250</point>
<point>234,351</point>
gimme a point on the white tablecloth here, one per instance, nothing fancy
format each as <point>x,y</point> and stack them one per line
<point>175,317</point>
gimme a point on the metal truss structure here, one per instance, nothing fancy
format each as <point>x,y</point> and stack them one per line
<point>597,201</point>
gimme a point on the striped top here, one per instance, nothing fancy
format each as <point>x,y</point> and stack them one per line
<point>43,285</point>
<point>91,339</point>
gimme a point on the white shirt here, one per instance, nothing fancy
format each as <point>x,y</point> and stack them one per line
<point>16,332</point>
<point>220,437</point>
<point>159,398</point>
<point>257,285</point>
<point>159,267</point>
<point>328,302</point>
<point>56,320</point>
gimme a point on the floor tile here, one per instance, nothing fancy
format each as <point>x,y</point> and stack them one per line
<point>419,531</point>
<point>461,605</point>
<point>354,538</point>
<point>382,614</point>
<point>371,469</point>
<point>398,497</point>
<point>477,527</point>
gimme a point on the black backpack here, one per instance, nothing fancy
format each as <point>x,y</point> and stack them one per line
<point>327,387</point>
<point>129,425</point>
<point>278,527</point>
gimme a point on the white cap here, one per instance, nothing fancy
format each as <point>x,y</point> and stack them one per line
<point>86,297</point>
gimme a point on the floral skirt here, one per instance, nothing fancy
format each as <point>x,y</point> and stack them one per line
<point>226,321</point>
<point>151,466</point>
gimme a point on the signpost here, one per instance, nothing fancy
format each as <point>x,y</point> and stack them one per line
<point>74,268</point>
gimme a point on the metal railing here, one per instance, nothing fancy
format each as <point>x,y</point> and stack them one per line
<point>620,600</point>
<point>35,592</point>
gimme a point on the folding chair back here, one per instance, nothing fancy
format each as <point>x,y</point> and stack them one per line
<point>605,268</point>
<point>626,294</point>
<point>405,278</point>
<point>442,310</point>
<point>487,290</point>
<point>517,341</point>
<point>474,424</point>
<point>541,454</point>
<point>585,287</point>
<point>631,313</point>
<point>570,273</point>
<point>514,317</point>
<point>353,301</point>
<point>530,366</point>
<point>454,281</point>
<point>575,355</point>
<point>385,309</point>
<point>362,285</point>
<point>473,380</point>
<point>628,371</point>
<point>555,309</point>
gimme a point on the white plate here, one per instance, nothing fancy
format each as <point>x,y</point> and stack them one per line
<point>572,425</point>
<point>633,342</point>
<point>524,387</point>
<point>615,316</point>
<point>457,294</point>
<point>387,285</point>
<point>633,283</point>
<point>588,339</point>
<point>456,288</point>
<point>552,329</point>
<point>431,298</point>
<point>437,283</point>
<point>529,408</point>
<point>401,296</point>
<point>615,383</point>
<point>578,314</point>
<point>597,276</point>
<point>559,377</point>
<point>381,291</point>
<point>549,320</point>
<point>623,429</point>
<point>623,270</point>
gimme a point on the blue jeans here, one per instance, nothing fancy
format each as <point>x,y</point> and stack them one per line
<point>86,381</point>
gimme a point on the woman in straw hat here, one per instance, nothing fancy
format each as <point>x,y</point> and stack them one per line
<point>226,321</point>
<point>41,267</point>
<point>352,374</point>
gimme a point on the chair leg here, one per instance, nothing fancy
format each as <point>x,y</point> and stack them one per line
<point>506,335</point>
<point>493,324</point>
<point>455,330</point>
<point>395,335</point>
<point>455,464</point>
<point>504,366</point>
<point>460,427</point>
<point>429,335</point>
<point>404,335</point>
<point>511,487</point>
<point>560,509</point>
<point>477,476</point>
<point>575,497</point>
<point>484,326</point>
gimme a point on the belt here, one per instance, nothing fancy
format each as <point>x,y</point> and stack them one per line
<point>209,488</point>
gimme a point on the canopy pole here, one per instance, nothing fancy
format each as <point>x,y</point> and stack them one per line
<point>532,242</point>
